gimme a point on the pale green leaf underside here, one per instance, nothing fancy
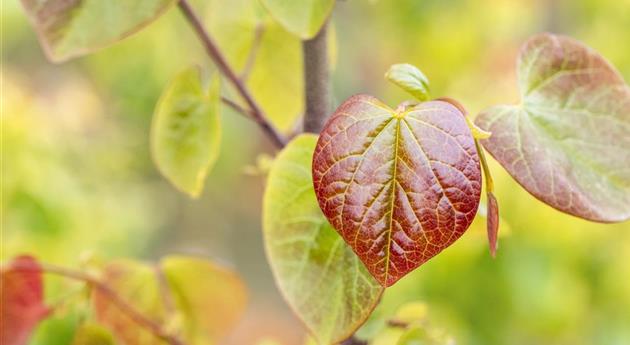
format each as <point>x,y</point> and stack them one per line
<point>323,281</point>
<point>303,18</point>
<point>410,79</point>
<point>185,134</point>
<point>568,141</point>
<point>70,28</point>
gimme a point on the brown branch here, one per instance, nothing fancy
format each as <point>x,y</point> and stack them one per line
<point>225,69</point>
<point>316,81</point>
<point>118,301</point>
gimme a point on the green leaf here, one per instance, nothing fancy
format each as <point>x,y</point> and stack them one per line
<point>399,185</point>
<point>568,141</point>
<point>72,28</point>
<point>320,277</point>
<point>92,334</point>
<point>136,283</point>
<point>185,134</point>
<point>303,18</point>
<point>410,79</point>
<point>210,298</point>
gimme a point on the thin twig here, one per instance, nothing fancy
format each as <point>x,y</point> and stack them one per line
<point>110,294</point>
<point>223,66</point>
<point>236,107</point>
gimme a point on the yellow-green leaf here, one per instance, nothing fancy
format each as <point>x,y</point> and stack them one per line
<point>303,18</point>
<point>210,298</point>
<point>322,280</point>
<point>411,79</point>
<point>185,134</point>
<point>72,28</point>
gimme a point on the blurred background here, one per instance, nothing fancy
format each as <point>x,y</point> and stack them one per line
<point>78,179</point>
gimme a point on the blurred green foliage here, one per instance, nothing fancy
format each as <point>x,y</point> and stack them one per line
<point>77,175</point>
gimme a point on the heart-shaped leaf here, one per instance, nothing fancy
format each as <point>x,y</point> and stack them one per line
<point>21,300</point>
<point>318,274</point>
<point>568,141</point>
<point>303,18</point>
<point>186,133</point>
<point>399,186</point>
<point>409,78</point>
<point>70,28</point>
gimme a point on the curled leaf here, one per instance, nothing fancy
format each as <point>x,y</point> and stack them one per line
<point>21,301</point>
<point>409,78</point>
<point>318,274</point>
<point>492,223</point>
<point>398,186</point>
<point>186,133</point>
<point>568,141</point>
<point>70,28</point>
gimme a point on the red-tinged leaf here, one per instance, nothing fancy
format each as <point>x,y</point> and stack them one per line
<point>568,141</point>
<point>22,300</point>
<point>492,223</point>
<point>399,186</point>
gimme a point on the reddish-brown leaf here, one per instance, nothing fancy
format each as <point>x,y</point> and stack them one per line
<point>492,223</point>
<point>568,140</point>
<point>399,186</point>
<point>22,300</point>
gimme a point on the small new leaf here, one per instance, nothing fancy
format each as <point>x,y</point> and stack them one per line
<point>72,28</point>
<point>21,300</point>
<point>318,274</point>
<point>186,133</point>
<point>399,186</point>
<point>568,141</point>
<point>410,79</point>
